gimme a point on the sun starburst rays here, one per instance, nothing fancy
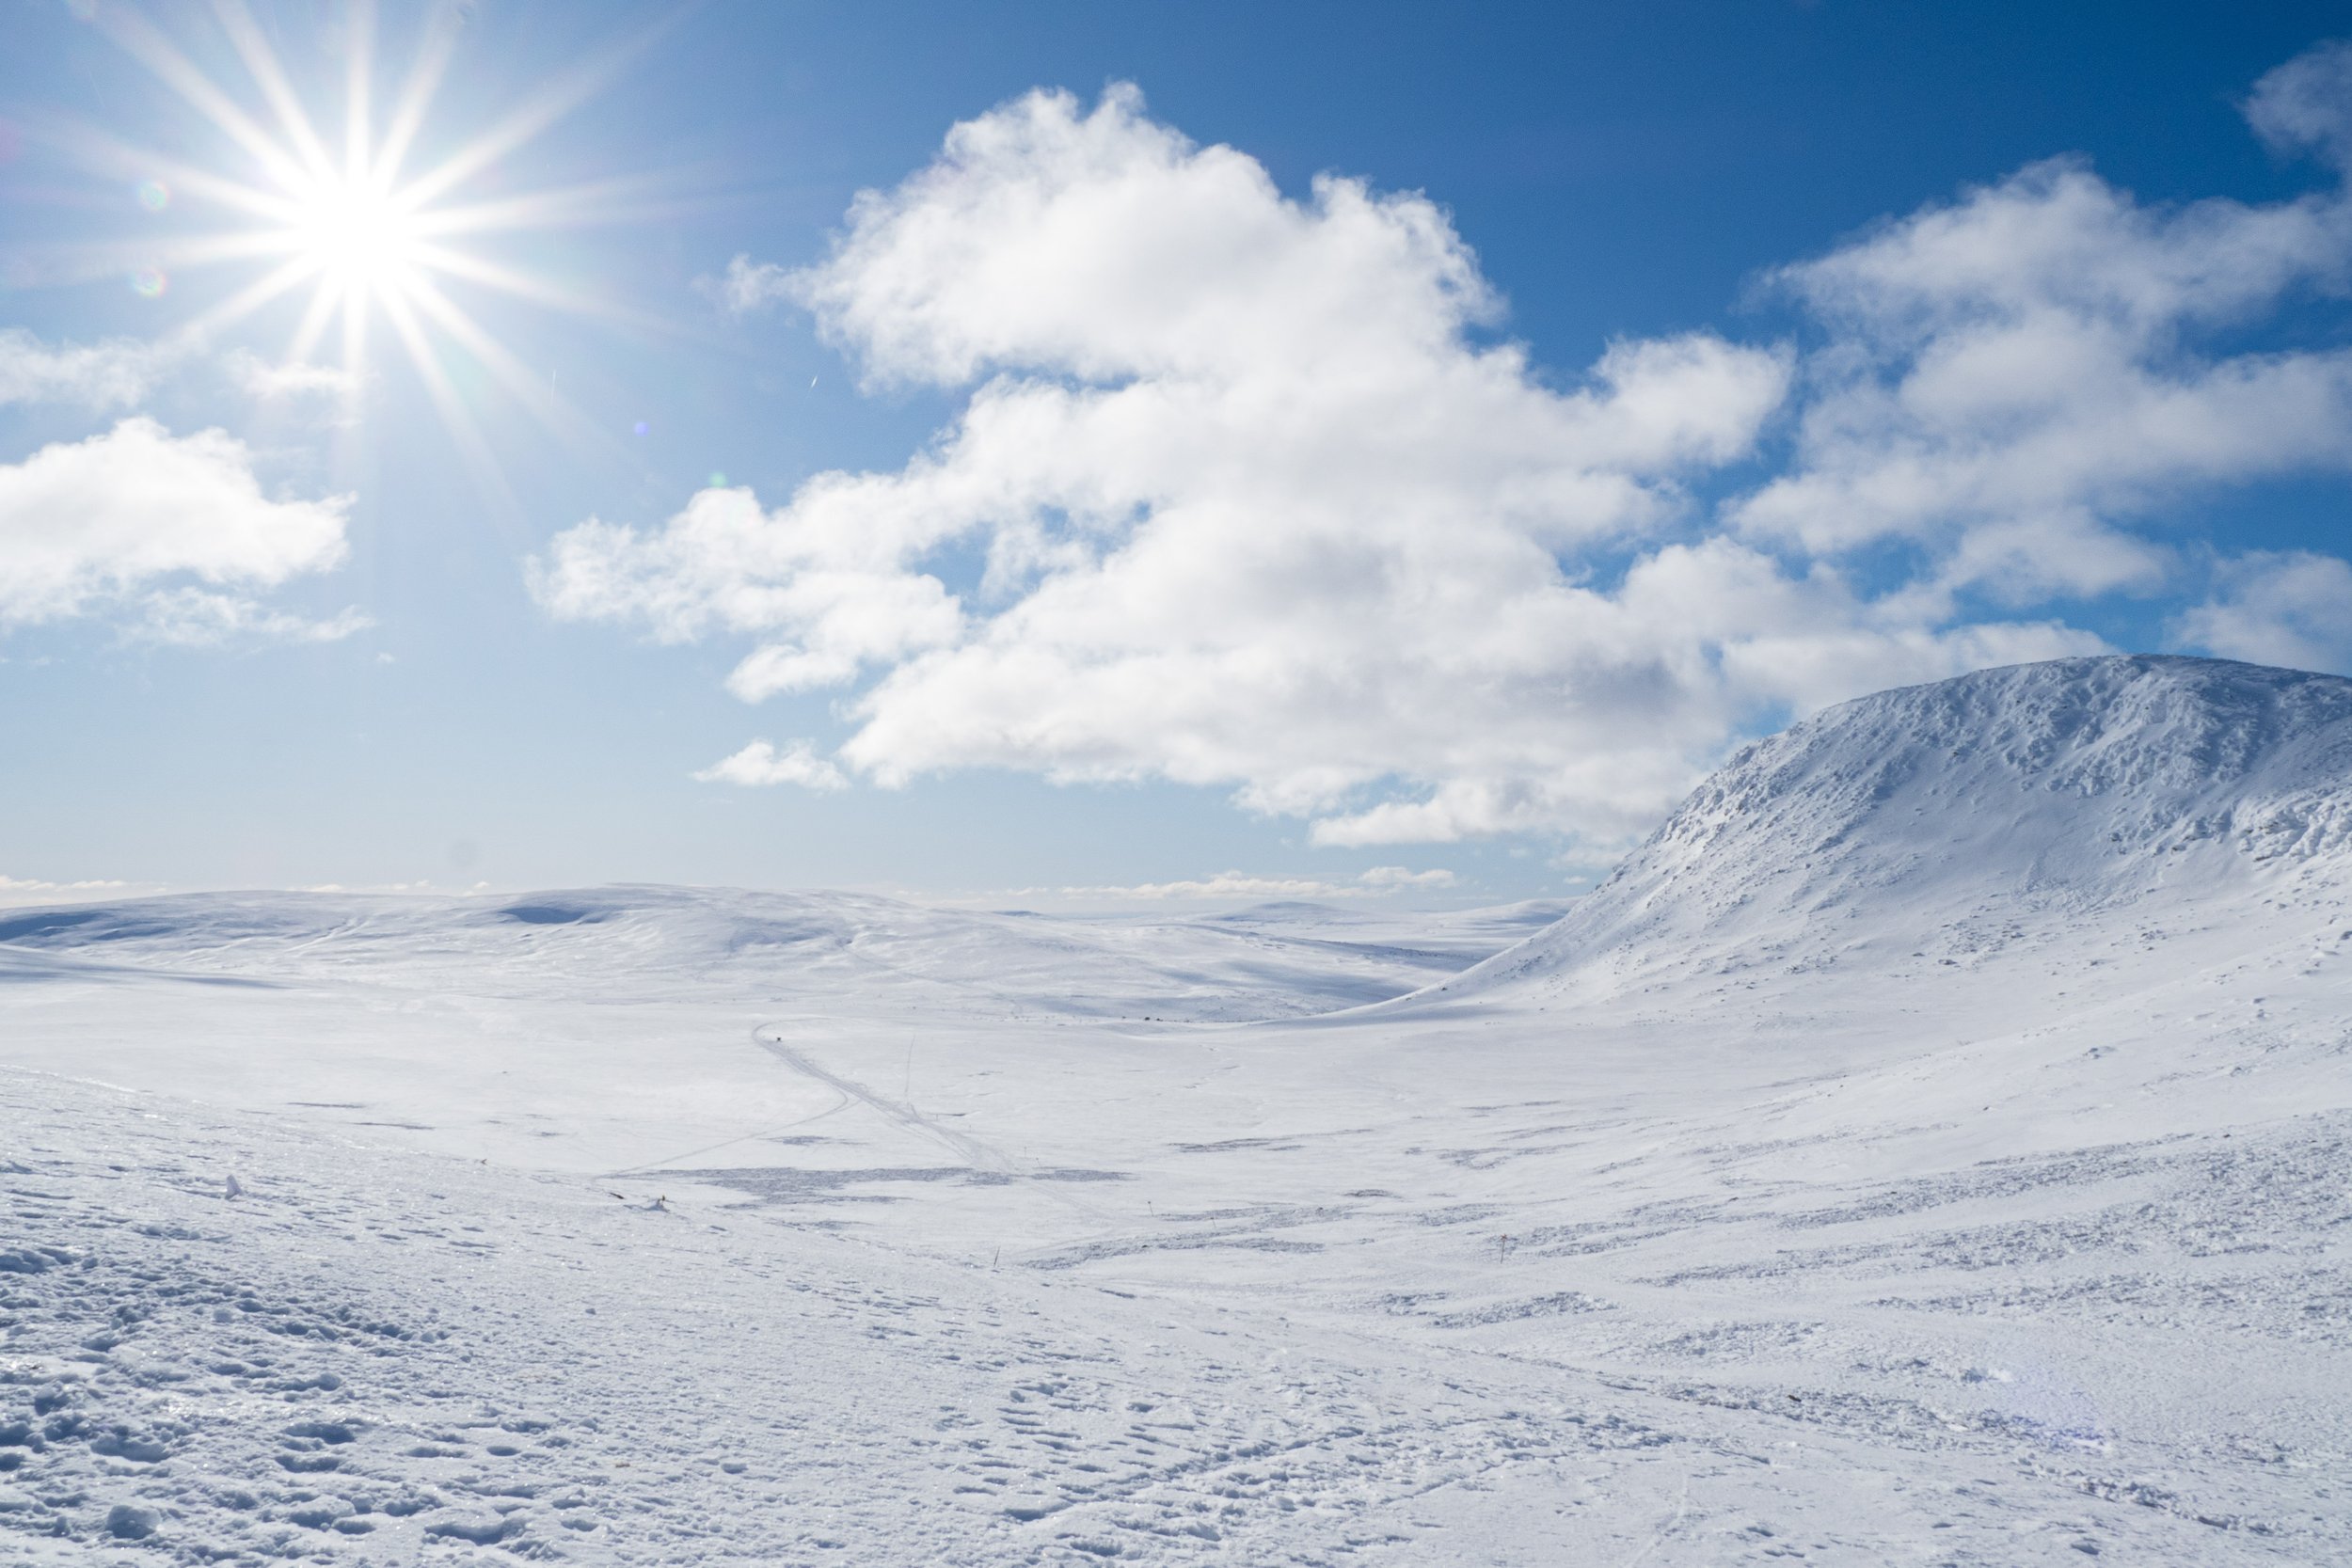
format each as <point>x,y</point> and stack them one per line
<point>329,203</point>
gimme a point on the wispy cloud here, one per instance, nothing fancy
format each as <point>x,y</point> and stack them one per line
<point>197,618</point>
<point>761,764</point>
<point>1228,886</point>
<point>32,890</point>
<point>1400,877</point>
<point>272,381</point>
<point>748,285</point>
<point>116,373</point>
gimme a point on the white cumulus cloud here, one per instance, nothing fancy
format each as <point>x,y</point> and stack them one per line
<point>1261,499</point>
<point>1259,503</point>
<point>2289,607</point>
<point>2012,379</point>
<point>135,511</point>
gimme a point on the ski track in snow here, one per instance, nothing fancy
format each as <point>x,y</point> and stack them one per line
<point>1836,1201</point>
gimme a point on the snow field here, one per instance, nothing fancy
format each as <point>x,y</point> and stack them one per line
<point>1930,1149</point>
<point>382,1357</point>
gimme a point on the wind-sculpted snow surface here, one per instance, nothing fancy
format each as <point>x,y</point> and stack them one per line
<point>1930,1149</point>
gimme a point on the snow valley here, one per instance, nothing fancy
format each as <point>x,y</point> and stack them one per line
<point>1930,1146</point>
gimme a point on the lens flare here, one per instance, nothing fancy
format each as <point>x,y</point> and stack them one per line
<point>150,283</point>
<point>154,195</point>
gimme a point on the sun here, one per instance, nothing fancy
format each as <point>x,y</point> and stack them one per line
<point>358,237</point>
<point>329,204</point>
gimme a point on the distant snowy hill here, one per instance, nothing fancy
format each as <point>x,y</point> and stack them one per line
<point>731,943</point>
<point>1951,821</point>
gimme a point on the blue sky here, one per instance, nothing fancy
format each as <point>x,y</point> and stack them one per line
<point>1348,447</point>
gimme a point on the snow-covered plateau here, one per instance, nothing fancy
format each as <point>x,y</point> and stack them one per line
<point>1935,1146</point>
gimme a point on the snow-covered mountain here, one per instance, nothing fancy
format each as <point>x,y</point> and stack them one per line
<point>1953,821</point>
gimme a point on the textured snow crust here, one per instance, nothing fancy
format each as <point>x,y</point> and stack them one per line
<point>1932,1149</point>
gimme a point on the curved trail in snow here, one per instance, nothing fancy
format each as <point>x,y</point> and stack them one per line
<point>971,1151</point>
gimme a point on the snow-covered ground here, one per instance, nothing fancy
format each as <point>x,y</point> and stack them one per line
<point>1934,1147</point>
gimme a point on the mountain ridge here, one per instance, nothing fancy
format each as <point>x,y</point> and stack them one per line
<point>2088,789</point>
